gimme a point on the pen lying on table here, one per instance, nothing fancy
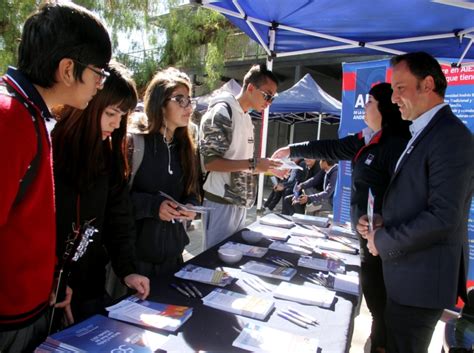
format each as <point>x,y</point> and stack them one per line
<point>291,318</point>
<point>187,289</point>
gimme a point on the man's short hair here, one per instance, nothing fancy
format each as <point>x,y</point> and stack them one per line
<point>58,31</point>
<point>330,162</point>
<point>258,75</point>
<point>422,64</point>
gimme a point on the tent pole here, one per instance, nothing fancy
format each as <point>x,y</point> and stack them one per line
<point>264,130</point>
<point>292,133</point>
<point>319,126</point>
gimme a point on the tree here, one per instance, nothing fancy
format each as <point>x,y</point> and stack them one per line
<point>189,37</point>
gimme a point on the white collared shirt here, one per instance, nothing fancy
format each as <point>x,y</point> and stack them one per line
<point>368,133</point>
<point>417,127</point>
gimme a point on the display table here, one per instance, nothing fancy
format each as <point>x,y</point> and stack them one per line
<point>212,330</point>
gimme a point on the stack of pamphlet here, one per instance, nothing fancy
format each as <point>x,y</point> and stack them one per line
<point>101,334</point>
<point>268,270</point>
<point>340,230</point>
<point>305,294</point>
<point>275,233</point>
<point>258,338</point>
<point>288,247</point>
<point>147,313</point>
<point>323,244</point>
<point>310,220</point>
<point>204,275</point>
<point>344,282</point>
<point>247,250</point>
<point>312,232</point>
<point>276,220</point>
<point>325,264</point>
<point>238,303</point>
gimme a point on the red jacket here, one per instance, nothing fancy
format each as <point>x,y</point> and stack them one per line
<point>27,230</point>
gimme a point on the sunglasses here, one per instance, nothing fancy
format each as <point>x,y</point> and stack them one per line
<point>183,101</point>
<point>102,74</point>
<point>267,97</point>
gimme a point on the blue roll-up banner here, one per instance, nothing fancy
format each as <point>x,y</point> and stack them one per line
<point>357,80</point>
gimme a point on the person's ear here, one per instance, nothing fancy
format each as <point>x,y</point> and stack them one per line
<point>428,84</point>
<point>65,72</point>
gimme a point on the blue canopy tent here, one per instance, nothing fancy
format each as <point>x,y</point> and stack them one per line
<point>444,28</point>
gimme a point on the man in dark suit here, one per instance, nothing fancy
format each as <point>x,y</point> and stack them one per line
<point>422,238</point>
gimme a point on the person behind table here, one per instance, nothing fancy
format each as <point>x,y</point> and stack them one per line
<point>62,53</point>
<point>90,173</point>
<point>421,237</point>
<point>374,152</point>
<point>169,165</point>
<point>226,144</point>
<point>320,200</point>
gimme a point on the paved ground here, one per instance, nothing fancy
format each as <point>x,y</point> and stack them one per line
<point>360,342</point>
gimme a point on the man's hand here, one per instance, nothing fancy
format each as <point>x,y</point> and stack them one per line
<point>363,224</point>
<point>370,236</point>
<point>168,211</point>
<point>279,187</point>
<point>281,153</point>
<point>303,199</point>
<point>140,283</point>
<point>265,164</point>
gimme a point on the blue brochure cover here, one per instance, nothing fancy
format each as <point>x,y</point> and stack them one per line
<point>101,334</point>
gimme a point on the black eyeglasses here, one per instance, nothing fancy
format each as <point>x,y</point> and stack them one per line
<point>183,101</point>
<point>267,97</point>
<point>102,74</point>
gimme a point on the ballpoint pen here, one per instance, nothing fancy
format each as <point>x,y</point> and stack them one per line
<point>198,292</point>
<point>308,317</point>
<point>179,289</point>
<point>252,285</point>
<point>297,317</point>
<point>189,290</point>
<point>292,319</point>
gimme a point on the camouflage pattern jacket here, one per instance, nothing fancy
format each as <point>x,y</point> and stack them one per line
<point>229,137</point>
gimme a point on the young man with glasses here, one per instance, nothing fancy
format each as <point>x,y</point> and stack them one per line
<point>226,144</point>
<point>59,43</point>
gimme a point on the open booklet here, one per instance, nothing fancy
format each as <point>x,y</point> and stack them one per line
<point>197,209</point>
<point>147,313</point>
<point>258,338</point>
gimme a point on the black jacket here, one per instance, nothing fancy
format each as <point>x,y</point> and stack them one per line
<point>110,209</point>
<point>372,164</point>
<point>157,240</point>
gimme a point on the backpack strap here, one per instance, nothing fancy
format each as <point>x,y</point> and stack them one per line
<point>33,167</point>
<point>138,150</point>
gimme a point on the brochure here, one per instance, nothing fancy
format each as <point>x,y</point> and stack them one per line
<point>342,230</point>
<point>204,275</point>
<point>197,209</point>
<point>147,313</point>
<point>238,303</point>
<point>346,283</point>
<point>305,294</point>
<point>323,244</point>
<point>101,334</point>
<point>247,250</point>
<point>277,220</point>
<point>326,264</point>
<point>287,163</point>
<point>268,270</point>
<point>312,232</point>
<point>287,247</point>
<point>258,338</point>
<point>310,220</point>
<point>275,233</point>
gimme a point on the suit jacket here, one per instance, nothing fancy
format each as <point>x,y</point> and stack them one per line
<point>423,244</point>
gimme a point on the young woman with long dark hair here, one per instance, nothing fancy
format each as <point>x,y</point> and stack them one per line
<point>91,173</point>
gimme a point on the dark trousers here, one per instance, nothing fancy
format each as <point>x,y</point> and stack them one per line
<point>409,328</point>
<point>273,199</point>
<point>373,288</point>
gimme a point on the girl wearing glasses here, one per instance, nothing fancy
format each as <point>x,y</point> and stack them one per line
<point>90,172</point>
<point>169,165</point>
